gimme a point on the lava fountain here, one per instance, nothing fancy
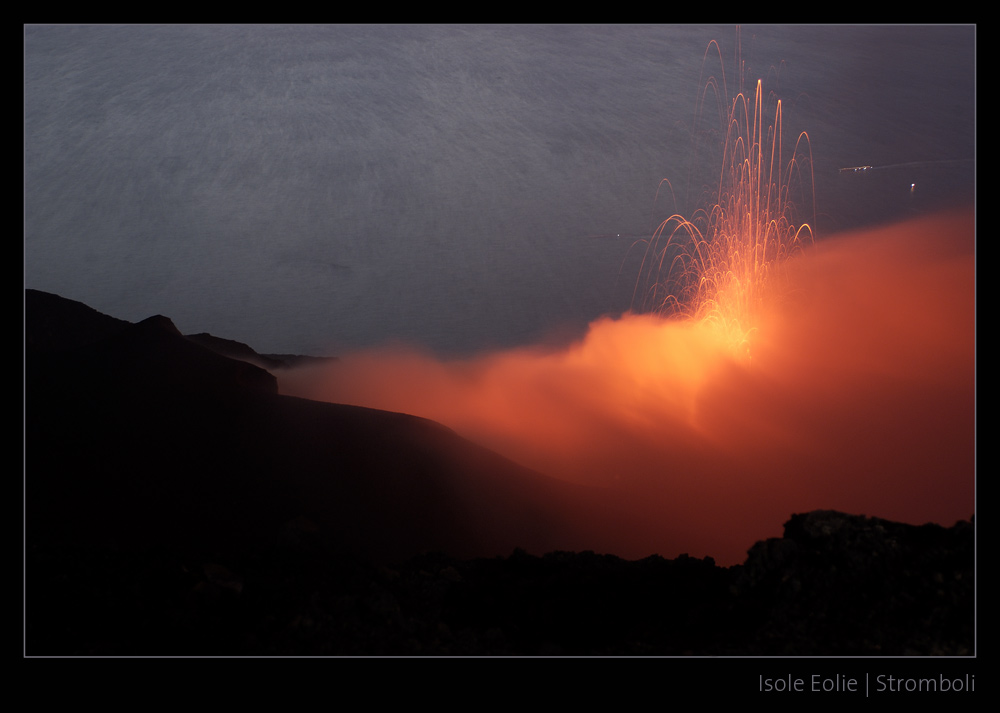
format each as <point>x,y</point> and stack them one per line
<point>721,266</point>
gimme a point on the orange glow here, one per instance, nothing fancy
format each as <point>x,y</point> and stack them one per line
<point>860,395</point>
<point>860,398</point>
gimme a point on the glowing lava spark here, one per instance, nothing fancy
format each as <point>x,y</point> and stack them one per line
<point>721,266</point>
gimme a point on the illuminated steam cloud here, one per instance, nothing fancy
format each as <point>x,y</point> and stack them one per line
<point>860,397</point>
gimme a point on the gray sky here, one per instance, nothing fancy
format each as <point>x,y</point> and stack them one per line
<point>319,188</point>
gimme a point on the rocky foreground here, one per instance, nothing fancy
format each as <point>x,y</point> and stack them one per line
<point>835,584</point>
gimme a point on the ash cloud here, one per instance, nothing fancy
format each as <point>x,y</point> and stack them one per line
<point>860,397</point>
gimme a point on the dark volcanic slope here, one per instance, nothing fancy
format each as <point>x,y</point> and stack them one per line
<point>235,350</point>
<point>53,323</point>
<point>143,436</point>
